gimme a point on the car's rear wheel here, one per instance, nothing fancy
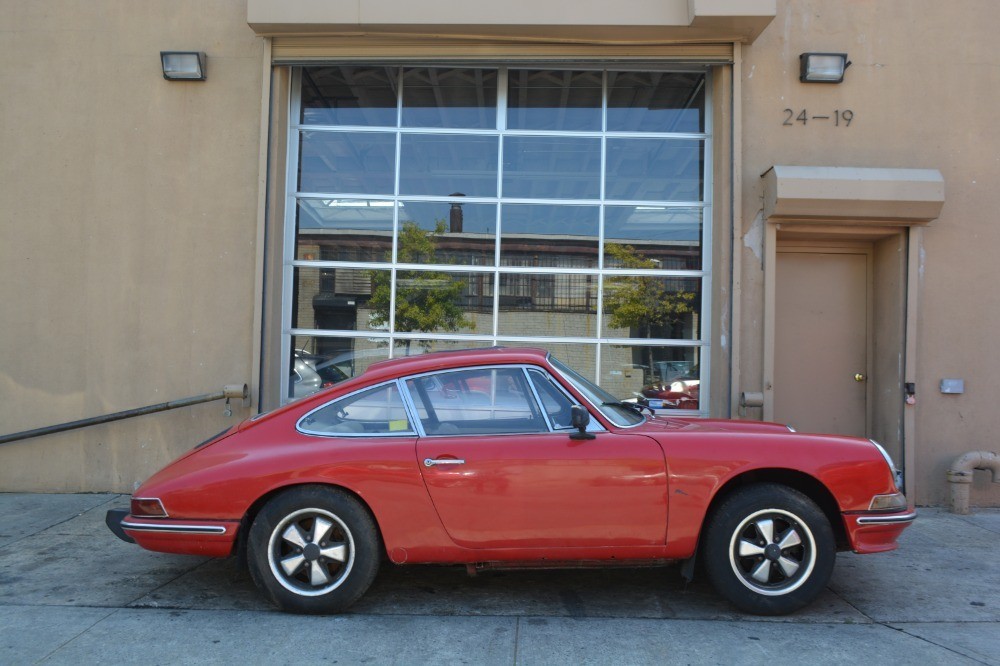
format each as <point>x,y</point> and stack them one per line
<point>769,549</point>
<point>313,549</point>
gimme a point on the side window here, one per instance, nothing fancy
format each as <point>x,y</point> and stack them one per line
<point>556,404</point>
<point>486,401</point>
<point>377,411</point>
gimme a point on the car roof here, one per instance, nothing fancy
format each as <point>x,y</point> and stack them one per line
<point>409,365</point>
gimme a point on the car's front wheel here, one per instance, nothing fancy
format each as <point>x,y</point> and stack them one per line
<point>313,549</point>
<point>769,549</point>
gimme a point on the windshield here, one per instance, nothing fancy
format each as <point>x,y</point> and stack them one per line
<point>619,413</point>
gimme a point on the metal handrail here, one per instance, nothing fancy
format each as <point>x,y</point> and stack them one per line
<point>228,392</point>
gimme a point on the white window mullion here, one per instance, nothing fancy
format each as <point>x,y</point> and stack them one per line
<point>289,236</point>
<point>395,214</point>
<point>600,227</point>
<point>502,128</point>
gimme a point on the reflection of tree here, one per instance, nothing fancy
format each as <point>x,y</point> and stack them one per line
<point>642,302</point>
<point>425,300</point>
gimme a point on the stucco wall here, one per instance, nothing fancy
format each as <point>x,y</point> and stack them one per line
<point>922,85</point>
<point>129,208</point>
<point>129,212</point>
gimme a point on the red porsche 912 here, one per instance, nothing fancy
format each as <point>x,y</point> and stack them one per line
<point>504,458</point>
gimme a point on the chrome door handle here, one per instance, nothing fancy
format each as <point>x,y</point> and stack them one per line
<point>430,462</point>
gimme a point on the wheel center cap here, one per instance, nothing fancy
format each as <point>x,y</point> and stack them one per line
<point>772,552</point>
<point>311,552</point>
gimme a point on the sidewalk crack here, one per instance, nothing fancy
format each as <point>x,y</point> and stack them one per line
<point>164,584</point>
<point>61,522</point>
<point>81,633</point>
<point>517,637</point>
<point>902,630</point>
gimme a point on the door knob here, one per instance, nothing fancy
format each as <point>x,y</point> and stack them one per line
<point>859,377</point>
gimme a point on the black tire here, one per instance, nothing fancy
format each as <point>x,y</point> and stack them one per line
<point>769,549</point>
<point>304,572</point>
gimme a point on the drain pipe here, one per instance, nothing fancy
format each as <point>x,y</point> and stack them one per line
<point>960,476</point>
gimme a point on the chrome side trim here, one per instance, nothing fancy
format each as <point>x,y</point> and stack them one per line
<point>887,520</point>
<point>180,529</point>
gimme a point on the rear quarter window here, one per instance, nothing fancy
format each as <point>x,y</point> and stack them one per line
<point>375,411</point>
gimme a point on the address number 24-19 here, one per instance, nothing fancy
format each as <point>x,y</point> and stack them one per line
<point>840,117</point>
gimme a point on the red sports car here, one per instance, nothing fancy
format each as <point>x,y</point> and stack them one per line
<point>507,457</point>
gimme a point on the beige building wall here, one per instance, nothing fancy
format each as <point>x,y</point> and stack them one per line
<point>128,206</point>
<point>922,85</point>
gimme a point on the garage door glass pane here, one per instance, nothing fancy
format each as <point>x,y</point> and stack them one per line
<point>654,169</point>
<point>347,162</point>
<point>358,95</point>
<point>336,298</point>
<point>320,362</point>
<point>437,302</point>
<point>450,97</point>
<point>542,167</point>
<point>669,375</point>
<point>580,357</point>
<point>447,232</point>
<point>554,100</point>
<point>550,305</point>
<point>649,306</point>
<point>656,102</point>
<point>448,165</point>
<point>652,237</point>
<point>343,230</point>
<point>549,235</point>
<point>413,347</point>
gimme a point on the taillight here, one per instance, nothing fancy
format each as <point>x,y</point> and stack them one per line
<point>147,507</point>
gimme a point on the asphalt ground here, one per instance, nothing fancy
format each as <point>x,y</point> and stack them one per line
<point>72,593</point>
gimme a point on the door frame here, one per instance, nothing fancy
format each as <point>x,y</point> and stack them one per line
<point>787,233</point>
<point>888,206</point>
<point>823,246</point>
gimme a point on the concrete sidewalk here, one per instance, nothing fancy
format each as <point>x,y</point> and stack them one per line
<point>70,592</point>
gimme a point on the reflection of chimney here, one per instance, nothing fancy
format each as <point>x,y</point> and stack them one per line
<point>455,219</point>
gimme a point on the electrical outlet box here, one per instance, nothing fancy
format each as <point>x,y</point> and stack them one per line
<point>952,386</point>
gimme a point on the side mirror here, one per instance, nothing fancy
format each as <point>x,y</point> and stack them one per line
<point>580,419</point>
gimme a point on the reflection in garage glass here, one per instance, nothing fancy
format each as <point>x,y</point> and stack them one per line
<point>443,207</point>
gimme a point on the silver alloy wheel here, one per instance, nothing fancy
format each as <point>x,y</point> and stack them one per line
<point>772,552</point>
<point>311,552</point>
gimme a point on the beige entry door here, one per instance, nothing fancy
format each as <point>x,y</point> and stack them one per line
<point>821,346</point>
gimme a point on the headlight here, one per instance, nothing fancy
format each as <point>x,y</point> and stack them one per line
<point>897,475</point>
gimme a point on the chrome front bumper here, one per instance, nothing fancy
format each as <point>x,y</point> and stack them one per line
<point>887,520</point>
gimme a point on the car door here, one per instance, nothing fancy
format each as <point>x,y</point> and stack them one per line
<point>501,475</point>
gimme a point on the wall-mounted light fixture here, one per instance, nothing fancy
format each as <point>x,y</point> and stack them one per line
<point>183,65</point>
<point>822,67</point>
